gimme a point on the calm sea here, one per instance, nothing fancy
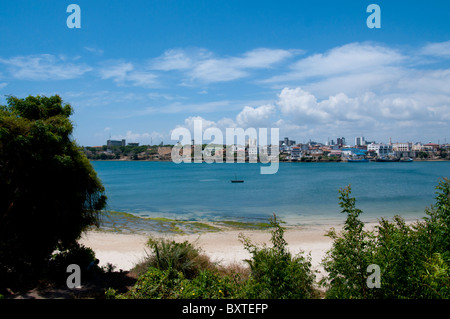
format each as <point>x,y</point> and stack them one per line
<point>299,193</point>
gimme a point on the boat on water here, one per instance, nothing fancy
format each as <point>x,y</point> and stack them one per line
<point>388,159</point>
<point>406,160</point>
<point>235,180</point>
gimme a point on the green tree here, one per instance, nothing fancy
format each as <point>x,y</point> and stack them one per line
<point>347,261</point>
<point>49,190</point>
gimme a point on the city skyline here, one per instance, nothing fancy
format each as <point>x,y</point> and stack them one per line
<point>139,70</point>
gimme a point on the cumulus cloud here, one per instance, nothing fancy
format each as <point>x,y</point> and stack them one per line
<point>255,116</point>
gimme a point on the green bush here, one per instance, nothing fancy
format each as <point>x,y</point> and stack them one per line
<point>167,254</point>
<point>156,284</point>
<point>210,284</point>
<point>413,259</point>
<point>171,284</point>
<point>275,273</point>
<point>74,254</point>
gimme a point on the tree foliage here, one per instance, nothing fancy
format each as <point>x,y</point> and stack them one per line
<point>49,191</point>
<point>414,258</point>
<point>275,272</point>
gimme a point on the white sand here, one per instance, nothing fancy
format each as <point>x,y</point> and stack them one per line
<point>125,250</point>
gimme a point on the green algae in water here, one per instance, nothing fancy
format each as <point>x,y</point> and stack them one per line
<point>122,222</point>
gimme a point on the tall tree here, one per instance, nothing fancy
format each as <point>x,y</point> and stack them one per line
<point>49,191</point>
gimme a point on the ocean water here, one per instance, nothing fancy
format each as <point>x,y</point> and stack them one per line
<point>299,193</point>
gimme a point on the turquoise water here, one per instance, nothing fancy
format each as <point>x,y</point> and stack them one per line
<point>299,193</point>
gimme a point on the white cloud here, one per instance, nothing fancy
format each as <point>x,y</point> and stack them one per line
<point>255,116</point>
<point>202,65</point>
<point>301,105</point>
<point>174,59</point>
<point>94,50</point>
<point>352,68</point>
<point>2,85</point>
<point>124,73</point>
<point>118,72</point>
<point>44,67</point>
<point>232,68</point>
<point>349,58</point>
<point>438,49</point>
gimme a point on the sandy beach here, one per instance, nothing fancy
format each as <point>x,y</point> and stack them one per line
<point>125,250</point>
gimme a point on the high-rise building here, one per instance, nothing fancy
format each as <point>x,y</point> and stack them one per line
<point>341,141</point>
<point>359,140</point>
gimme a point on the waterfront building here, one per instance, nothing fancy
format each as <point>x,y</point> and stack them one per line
<point>380,149</point>
<point>403,149</point>
<point>110,143</point>
<point>335,153</point>
<point>252,149</point>
<point>284,148</point>
<point>431,147</point>
<point>296,153</point>
<point>418,147</point>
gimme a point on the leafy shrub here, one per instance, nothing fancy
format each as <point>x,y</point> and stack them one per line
<point>156,284</point>
<point>437,276</point>
<point>168,254</point>
<point>413,259</point>
<point>275,273</point>
<point>210,284</point>
<point>74,254</point>
<point>171,284</point>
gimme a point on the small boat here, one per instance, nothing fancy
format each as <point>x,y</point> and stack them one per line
<point>406,160</point>
<point>235,180</point>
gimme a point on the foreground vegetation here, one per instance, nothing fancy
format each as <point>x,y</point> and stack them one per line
<point>180,270</point>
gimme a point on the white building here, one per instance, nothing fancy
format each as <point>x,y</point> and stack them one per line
<point>380,149</point>
<point>418,147</point>
<point>296,153</point>
<point>402,147</point>
<point>252,149</point>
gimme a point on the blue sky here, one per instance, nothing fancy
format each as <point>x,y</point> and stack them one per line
<point>139,69</point>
